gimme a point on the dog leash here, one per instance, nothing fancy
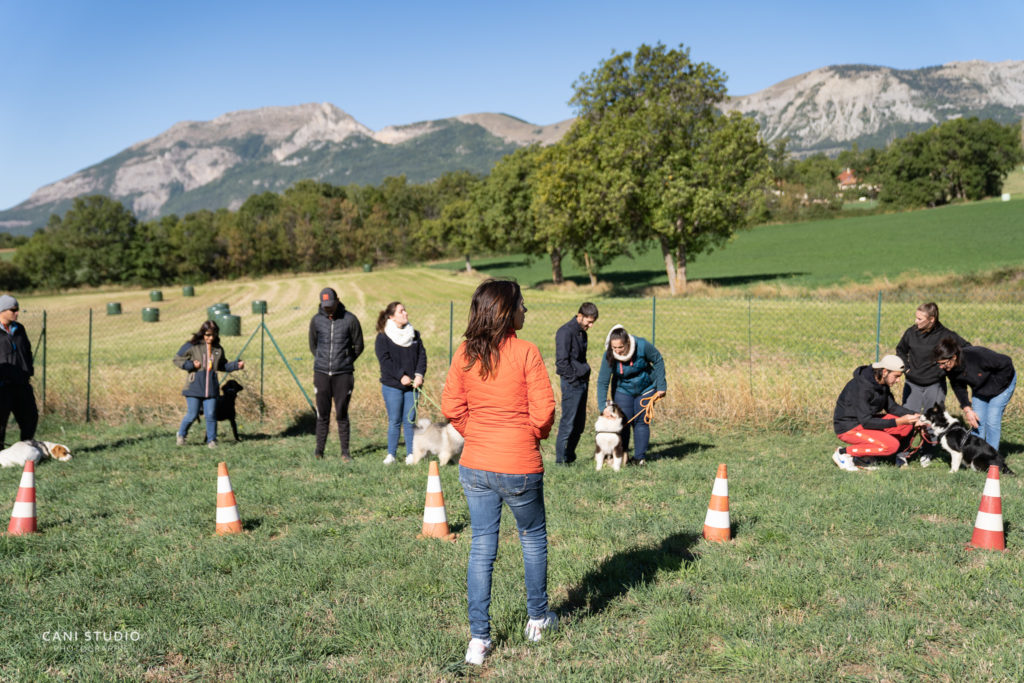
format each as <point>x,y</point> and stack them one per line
<point>417,394</point>
<point>646,409</point>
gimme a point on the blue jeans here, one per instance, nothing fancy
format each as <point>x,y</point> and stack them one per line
<point>401,416</point>
<point>630,406</point>
<point>524,495</point>
<point>192,414</point>
<point>573,420</point>
<point>990,414</point>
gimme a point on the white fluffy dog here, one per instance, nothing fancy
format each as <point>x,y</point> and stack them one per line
<point>23,451</point>
<point>609,439</point>
<point>439,438</point>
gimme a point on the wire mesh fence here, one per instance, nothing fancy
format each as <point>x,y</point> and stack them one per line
<point>729,360</point>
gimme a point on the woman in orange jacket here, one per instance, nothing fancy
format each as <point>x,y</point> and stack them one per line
<point>498,396</point>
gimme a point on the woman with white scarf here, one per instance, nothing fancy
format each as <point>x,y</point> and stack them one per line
<point>636,372</point>
<point>403,362</point>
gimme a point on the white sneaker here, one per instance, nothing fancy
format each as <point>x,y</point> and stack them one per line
<point>843,462</point>
<point>389,460</point>
<point>535,627</point>
<point>901,460</point>
<point>409,460</point>
<point>478,649</point>
<point>926,460</point>
<point>180,440</point>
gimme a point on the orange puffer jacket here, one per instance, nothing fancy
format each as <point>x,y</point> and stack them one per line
<point>504,417</point>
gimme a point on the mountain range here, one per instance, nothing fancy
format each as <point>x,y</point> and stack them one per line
<point>212,164</point>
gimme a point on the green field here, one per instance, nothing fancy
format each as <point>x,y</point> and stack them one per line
<point>831,575</point>
<point>857,249</point>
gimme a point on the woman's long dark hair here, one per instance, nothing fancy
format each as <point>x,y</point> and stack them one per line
<point>382,317</point>
<point>618,334</point>
<point>491,315</point>
<point>208,326</point>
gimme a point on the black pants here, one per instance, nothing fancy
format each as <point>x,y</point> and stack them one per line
<point>21,401</point>
<point>574,419</point>
<point>339,389</point>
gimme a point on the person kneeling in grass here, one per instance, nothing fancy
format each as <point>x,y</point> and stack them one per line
<point>868,418</point>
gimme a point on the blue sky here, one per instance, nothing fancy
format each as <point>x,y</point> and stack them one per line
<point>81,80</point>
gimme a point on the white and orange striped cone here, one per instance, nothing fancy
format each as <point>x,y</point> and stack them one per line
<point>435,520</point>
<point>988,527</point>
<point>228,520</point>
<point>23,516</point>
<point>716,522</point>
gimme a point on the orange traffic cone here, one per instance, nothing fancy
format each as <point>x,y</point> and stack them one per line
<point>716,522</point>
<point>988,527</point>
<point>228,521</point>
<point>23,516</point>
<point>435,521</point>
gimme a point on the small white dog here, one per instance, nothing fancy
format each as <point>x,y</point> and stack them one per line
<point>609,439</point>
<point>23,451</point>
<point>441,439</point>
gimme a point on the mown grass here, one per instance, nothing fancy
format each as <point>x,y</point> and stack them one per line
<point>831,576</point>
<point>957,239</point>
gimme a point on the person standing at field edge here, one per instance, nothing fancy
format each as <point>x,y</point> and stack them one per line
<point>336,341</point>
<point>924,384</point>
<point>571,366</point>
<point>16,370</point>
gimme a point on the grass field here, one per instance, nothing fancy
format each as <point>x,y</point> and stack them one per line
<point>831,575</point>
<point>852,250</point>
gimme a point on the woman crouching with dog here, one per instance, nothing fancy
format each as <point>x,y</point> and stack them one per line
<point>868,418</point>
<point>498,396</point>
<point>202,357</point>
<point>636,372</point>
<point>403,362</point>
<point>991,378</point>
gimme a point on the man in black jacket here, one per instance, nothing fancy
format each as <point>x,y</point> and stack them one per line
<point>571,365</point>
<point>16,369</point>
<point>924,384</point>
<point>335,340</point>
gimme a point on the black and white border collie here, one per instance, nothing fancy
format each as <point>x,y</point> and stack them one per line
<point>963,446</point>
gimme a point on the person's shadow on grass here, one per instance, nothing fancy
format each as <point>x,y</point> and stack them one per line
<point>624,571</point>
<point>678,448</point>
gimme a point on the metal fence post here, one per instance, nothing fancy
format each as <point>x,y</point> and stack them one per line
<point>451,325</point>
<point>750,350</point>
<point>44,362</point>
<point>878,327</point>
<point>654,318</point>
<point>88,374</point>
<point>263,336</point>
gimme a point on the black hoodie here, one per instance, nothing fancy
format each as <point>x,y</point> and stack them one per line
<point>863,401</point>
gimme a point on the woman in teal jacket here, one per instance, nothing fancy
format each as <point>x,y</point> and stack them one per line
<point>636,372</point>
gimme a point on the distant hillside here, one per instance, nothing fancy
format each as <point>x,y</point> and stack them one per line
<point>220,163</point>
<point>829,109</point>
<point>212,164</point>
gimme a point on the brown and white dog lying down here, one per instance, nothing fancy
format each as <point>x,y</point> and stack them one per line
<point>18,454</point>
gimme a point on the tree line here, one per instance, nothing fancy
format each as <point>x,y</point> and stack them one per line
<point>649,161</point>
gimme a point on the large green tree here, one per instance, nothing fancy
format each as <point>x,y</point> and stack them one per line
<point>960,159</point>
<point>669,166</point>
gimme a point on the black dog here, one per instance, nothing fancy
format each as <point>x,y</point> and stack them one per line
<point>961,444</point>
<point>226,404</point>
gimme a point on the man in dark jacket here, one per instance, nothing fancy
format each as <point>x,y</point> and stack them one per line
<point>925,383</point>
<point>868,418</point>
<point>571,365</point>
<point>16,369</point>
<point>335,340</point>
